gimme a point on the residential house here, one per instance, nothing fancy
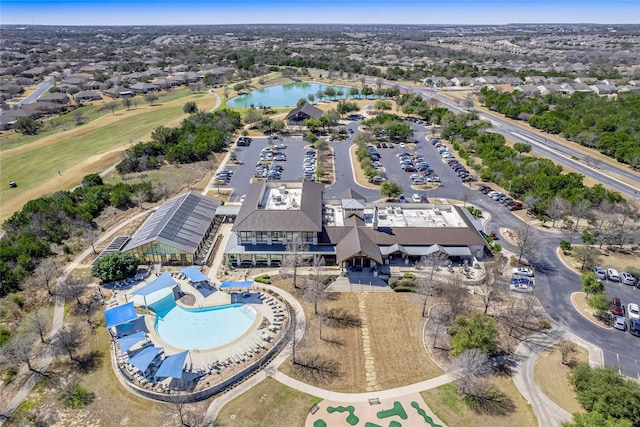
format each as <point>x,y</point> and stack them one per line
<point>118,92</point>
<point>87,96</point>
<point>55,97</point>
<point>463,81</point>
<point>527,89</point>
<point>8,118</point>
<point>142,88</point>
<point>602,89</point>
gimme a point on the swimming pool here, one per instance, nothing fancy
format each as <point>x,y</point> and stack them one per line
<point>201,328</point>
<point>286,95</point>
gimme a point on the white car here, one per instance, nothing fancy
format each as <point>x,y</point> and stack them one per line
<point>633,311</point>
<point>520,287</point>
<point>244,196</point>
<point>523,271</point>
<point>627,278</point>
<point>600,273</point>
<point>619,323</point>
<point>612,274</point>
<point>415,198</point>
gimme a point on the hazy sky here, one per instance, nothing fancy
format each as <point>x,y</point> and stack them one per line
<point>162,12</point>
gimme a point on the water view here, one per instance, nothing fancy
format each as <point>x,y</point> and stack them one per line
<point>286,95</point>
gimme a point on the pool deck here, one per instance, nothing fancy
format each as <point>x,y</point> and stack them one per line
<point>216,364</point>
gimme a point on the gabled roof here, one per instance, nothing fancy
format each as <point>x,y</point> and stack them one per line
<point>55,96</point>
<point>308,218</point>
<point>181,222</point>
<point>305,109</point>
<point>349,194</point>
<point>356,243</point>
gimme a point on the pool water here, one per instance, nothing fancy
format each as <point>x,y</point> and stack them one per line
<point>286,95</point>
<point>201,328</point>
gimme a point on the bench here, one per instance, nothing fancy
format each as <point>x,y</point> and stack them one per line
<point>374,401</point>
<point>314,409</point>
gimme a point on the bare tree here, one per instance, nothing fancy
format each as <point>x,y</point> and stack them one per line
<point>518,318</point>
<point>315,289</point>
<point>469,101</point>
<point>455,296</point>
<point>294,257</point>
<point>20,349</point>
<point>73,287</point>
<point>490,290</point>
<point>79,117</point>
<point>588,255</point>
<point>67,340</point>
<point>525,240</point>
<point>467,367</point>
<point>111,106</point>
<point>151,98</point>
<point>127,103</point>
<point>46,275</point>
<point>438,317</point>
<point>187,417</point>
<point>580,210</point>
<point>557,209</point>
<point>38,322</point>
<point>566,348</point>
<point>424,286</point>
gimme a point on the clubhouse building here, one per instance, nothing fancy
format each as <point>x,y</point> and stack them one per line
<point>345,230</point>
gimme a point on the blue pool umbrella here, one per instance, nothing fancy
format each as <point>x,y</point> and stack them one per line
<point>172,366</point>
<point>163,281</point>
<point>120,314</point>
<point>143,359</point>
<point>194,274</point>
<point>125,343</point>
<point>225,285</point>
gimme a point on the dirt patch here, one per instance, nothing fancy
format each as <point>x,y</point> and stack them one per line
<point>551,376</point>
<point>626,260</point>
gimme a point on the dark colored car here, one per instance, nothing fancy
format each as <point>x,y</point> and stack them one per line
<point>616,307</point>
<point>516,206</point>
<point>486,190</point>
<point>634,327</point>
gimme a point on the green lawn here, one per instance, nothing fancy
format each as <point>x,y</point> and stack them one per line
<point>31,168</point>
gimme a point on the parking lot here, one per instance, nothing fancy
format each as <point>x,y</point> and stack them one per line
<point>249,156</point>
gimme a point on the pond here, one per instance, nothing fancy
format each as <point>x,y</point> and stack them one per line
<point>286,95</point>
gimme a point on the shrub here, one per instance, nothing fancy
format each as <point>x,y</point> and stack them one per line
<point>5,335</point>
<point>75,396</point>
<point>392,282</point>
<point>264,278</point>
<point>9,374</point>
<point>565,245</point>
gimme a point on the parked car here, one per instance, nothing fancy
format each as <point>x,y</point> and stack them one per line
<point>402,199</point>
<point>520,287</point>
<point>617,308</point>
<point>633,311</point>
<point>415,198</point>
<point>613,275</point>
<point>523,271</point>
<point>619,323</point>
<point>634,327</point>
<point>627,278</point>
<point>377,179</point>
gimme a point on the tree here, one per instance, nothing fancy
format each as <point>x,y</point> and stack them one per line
<point>311,97</point>
<point>588,255</point>
<point>424,286</point>
<point>38,322</point>
<point>557,209</point>
<point>601,304</point>
<point>474,330</point>
<point>566,349</point>
<point>151,98</point>
<point>79,117</point>
<point>73,287</point>
<point>580,210</point>
<point>190,107</point>
<point>127,103</point>
<point>294,257</point>
<point>595,419</point>
<point>111,106</point>
<point>525,240</point>
<point>382,105</point>
<point>46,275</point>
<point>390,189</point>
<point>605,391</point>
<point>591,285</point>
<point>116,266</point>
<point>469,101</point>
<point>468,367</point>
<point>67,340</point>
<point>27,126</point>
<point>20,349</point>
<point>490,286</point>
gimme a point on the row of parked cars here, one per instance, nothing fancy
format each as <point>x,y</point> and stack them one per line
<point>522,280</point>
<point>223,177</point>
<point>451,161</point>
<point>612,275</point>
<point>619,320</point>
<point>420,170</point>
<point>274,155</point>
<point>512,205</point>
<point>309,165</point>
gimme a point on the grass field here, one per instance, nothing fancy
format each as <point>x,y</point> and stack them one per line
<point>267,404</point>
<point>551,376</point>
<point>59,161</point>
<point>447,404</point>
